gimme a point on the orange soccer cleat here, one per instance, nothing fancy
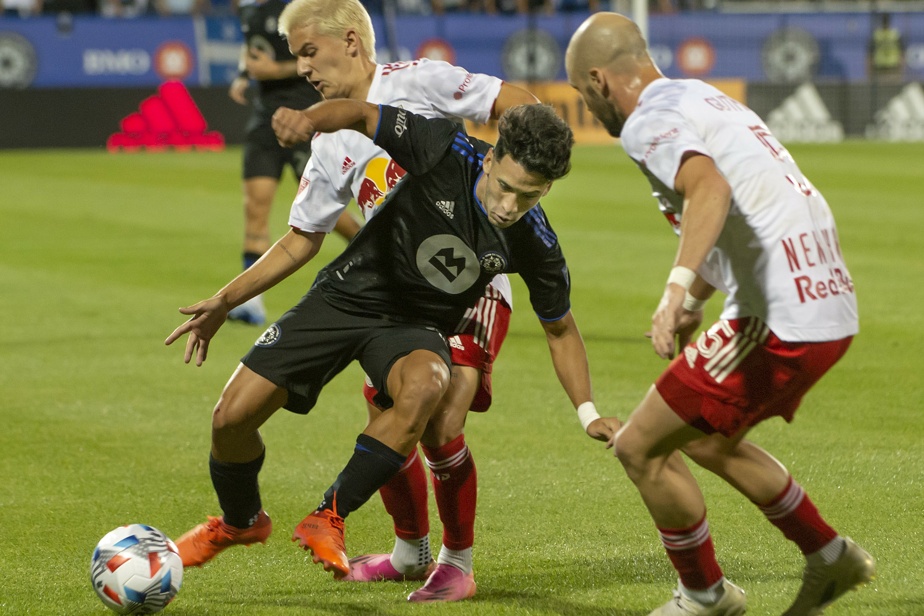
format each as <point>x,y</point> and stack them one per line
<point>322,533</point>
<point>202,543</point>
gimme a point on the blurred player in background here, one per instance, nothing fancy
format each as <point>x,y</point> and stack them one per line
<point>388,301</point>
<point>266,62</point>
<point>335,47</point>
<point>751,225</point>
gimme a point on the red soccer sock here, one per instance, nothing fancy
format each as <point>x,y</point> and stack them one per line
<point>455,485</point>
<point>794,513</point>
<point>405,499</point>
<point>692,554</point>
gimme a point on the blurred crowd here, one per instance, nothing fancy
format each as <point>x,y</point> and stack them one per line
<point>137,8</point>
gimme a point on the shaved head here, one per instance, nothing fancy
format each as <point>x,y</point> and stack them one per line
<point>605,39</point>
<point>608,64</point>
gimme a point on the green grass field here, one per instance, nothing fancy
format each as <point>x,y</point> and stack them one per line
<point>103,425</point>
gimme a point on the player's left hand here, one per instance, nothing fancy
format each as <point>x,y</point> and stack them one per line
<point>603,428</point>
<point>207,316</point>
<point>665,321</point>
<point>292,127</point>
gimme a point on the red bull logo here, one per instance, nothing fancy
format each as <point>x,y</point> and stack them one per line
<point>381,176</point>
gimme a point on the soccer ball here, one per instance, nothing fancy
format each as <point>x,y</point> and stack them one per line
<point>136,569</point>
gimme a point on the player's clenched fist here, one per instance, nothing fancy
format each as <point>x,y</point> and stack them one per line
<point>292,127</point>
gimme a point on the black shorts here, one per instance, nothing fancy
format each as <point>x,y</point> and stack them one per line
<point>264,157</point>
<point>313,342</point>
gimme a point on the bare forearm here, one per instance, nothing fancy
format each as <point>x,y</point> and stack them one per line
<point>333,115</point>
<point>511,96</point>
<point>707,199</point>
<point>286,256</point>
<point>569,357</point>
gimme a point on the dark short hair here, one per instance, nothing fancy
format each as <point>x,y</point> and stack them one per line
<point>537,139</point>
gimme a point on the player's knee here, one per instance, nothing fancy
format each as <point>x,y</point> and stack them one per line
<point>423,383</point>
<point>446,424</point>
<point>632,455</point>
<point>228,417</point>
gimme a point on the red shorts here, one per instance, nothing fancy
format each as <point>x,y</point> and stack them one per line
<point>738,373</point>
<point>476,343</point>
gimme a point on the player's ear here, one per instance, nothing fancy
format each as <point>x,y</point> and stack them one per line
<point>488,161</point>
<point>352,42</point>
<point>598,82</point>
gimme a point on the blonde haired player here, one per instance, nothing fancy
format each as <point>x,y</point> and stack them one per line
<point>334,46</point>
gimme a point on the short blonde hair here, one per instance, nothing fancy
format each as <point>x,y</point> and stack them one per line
<point>332,18</point>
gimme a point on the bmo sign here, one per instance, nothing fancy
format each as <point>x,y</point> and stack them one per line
<point>172,60</point>
<point>116,62</point>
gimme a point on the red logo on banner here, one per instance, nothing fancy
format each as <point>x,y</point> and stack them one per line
<point>170,118</point>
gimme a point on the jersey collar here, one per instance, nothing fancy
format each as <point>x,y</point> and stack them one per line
<point>475,192</point>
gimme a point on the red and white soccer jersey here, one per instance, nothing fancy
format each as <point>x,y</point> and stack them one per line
<point>778,257</point>
<point>345,165</point>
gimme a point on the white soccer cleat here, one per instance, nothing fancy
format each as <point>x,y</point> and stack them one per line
<point>731,603</point>
<point>251,312</point>
<point>823,583</point>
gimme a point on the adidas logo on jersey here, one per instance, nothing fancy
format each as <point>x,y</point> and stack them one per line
<point>347,165</point>
<point>902,118</point>
<point>447,207</point>
<point>804,117</point>
<point>456,343</point>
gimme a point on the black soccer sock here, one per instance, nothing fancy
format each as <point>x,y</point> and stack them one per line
<point>371,466</point>
<point>250,258</point>
<point>237,489</point>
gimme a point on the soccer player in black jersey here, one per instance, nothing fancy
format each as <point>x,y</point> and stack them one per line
<point>267,64</point>
<point>464,212</point>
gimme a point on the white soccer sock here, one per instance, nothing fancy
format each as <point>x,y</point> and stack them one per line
<point>411,555</point>
<point>460,559</point>
<point>832,550</point>
<point>706,596</point>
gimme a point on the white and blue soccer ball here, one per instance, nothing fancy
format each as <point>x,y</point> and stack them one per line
<point>136,569</point>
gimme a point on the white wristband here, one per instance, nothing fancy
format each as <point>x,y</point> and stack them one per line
<point>683,276</point>
<point>693,304</point>
<point>587,413</point>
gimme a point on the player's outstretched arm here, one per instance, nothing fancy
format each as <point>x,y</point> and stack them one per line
<point>569,357</point>
<point>511,96</point>
<point>298,126</point>
<point>288,254</point>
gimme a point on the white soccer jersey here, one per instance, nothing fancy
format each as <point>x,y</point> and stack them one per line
<point>778,256</point>
<point>345,165</point>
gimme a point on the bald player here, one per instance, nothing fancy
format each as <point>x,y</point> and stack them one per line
<point>752,226</point>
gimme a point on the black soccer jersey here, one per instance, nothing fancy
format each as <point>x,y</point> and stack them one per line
<point>259,21</point>
<point>430,251</point>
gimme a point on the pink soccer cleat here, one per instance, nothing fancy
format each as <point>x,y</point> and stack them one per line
<point>446,584</point>
<point>378,568</point>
